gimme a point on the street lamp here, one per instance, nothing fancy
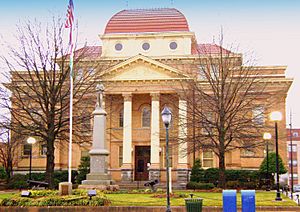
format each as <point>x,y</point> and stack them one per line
<point>30,141</point>
<point>276,116</point>
<point>166,118</point>
<point>267,137</point>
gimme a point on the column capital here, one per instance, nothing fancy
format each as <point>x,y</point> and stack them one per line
<point>181,95</point>
<point>127,97</point>
<point>155,96</point>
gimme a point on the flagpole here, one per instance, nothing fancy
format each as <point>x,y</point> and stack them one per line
<point>69,24</point>
<point>71,115</point>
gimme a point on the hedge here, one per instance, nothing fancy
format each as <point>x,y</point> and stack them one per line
<point>195,185</point>
<point>19,181</point>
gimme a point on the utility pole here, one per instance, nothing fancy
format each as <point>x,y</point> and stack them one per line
<point>291,156</point>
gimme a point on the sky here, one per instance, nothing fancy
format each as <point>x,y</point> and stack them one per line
<point>268,28</point>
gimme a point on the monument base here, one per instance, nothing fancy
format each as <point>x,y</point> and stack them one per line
<point>98,179</point>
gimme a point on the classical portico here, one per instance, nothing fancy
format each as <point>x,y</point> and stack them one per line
<point>143,85</point>
<point>152,164</point>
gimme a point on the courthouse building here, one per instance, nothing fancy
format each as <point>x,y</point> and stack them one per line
<point>150,53</point>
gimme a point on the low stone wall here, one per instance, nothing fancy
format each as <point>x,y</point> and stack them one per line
<point>134,209</point>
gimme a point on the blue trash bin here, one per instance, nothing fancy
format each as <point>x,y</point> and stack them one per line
<point>248,200</point>
<point>229,201</point>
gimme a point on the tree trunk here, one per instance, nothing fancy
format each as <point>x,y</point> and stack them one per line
<point>50,163</point>
<point>9,169</point>
<point>222,178</point>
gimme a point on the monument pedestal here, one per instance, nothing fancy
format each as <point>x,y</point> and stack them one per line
<point>98,176</point>
<point>98,169</point>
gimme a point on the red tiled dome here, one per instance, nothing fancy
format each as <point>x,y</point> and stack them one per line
<point>147,20</point>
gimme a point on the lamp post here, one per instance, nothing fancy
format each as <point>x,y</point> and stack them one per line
<point>166,118</point>
<point>267,137</point>
<point>276,116</point>
<point>30,141</point>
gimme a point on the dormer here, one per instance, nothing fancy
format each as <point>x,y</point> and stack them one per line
<point>151,32</point>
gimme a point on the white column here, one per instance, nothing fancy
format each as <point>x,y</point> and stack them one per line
<point>182,132</point>
<point>155,114</point>
<point>127,131</point>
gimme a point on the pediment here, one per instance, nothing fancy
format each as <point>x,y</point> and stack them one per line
<point>142,68</point>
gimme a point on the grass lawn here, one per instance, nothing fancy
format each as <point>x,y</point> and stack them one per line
<point>209,199</point>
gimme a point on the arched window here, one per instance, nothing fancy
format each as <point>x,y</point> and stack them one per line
<point>146,117</point>
<point>121,118</point>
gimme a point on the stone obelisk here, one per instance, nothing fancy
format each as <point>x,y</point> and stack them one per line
<point>98,154</point>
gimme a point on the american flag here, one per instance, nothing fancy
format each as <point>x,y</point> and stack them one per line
<point>70,16</point>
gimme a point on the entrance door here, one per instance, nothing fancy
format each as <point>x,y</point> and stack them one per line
<point>142,157</point>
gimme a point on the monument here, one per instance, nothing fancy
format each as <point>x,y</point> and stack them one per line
<point>98,176</point>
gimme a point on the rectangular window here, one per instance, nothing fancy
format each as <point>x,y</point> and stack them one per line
<point>26,149</point>
<point>258,116</point>
<point>43,149</point>
<point>294,162</point>
<point>294,148</point>
<point>120,156</point>
<point>208,158</point>
<point>294,175</point>
<point>248,153</point>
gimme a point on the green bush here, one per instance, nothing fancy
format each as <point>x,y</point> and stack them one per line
<point>3,174</point>
<point>249,185</point>
<point>211,175</point>
<point>195,185</point>
<point>38,176</point>
<point>50,198</point>
<point>272,164</point>
<point>242,185</point>
<point>197,173</point>
<point>43,193</point>
<point>83,169</point>
<point>233,184</point>
<point>18,181</point>
<point>242,175</point>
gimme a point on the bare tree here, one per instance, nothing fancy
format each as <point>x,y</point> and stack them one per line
<point>9,151</point>
<point>226,104</point>
<point>38,83</point>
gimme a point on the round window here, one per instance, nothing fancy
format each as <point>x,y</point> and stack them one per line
<point>118,47</point>
<point>146,46</point>
<point>173,45</point>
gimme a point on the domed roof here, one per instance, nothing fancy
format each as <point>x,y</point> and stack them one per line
<point>147,20</point>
